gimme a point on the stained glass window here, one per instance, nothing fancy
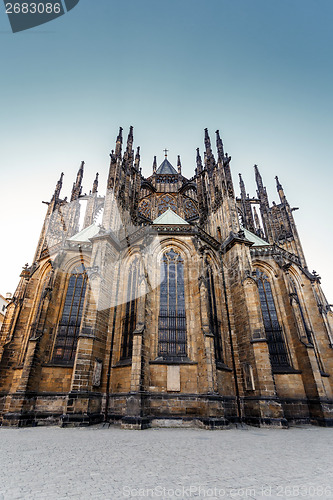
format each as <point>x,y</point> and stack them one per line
<point>129,321</point>
<point>166,202</point>
<point>274,335</point>
<point>69,326</point>
<point>172,317</point>
<point>190,210</point>
<point>145,208</point>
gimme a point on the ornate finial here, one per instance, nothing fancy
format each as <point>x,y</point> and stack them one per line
<point>199,161</point>
<point>95,184</point>
<point>130,140</point>
<point>179,165</point>
<point>137,158</point>
<point>219,145</point>
<point>209,158</point>
<point>154,165</point>
<point>258,177</point>
<point>278,185</point>
<point>119,143</point>
<point>77,185</point>
<point>166,152</point>
<point>58,187</point>
<point>242,186</point>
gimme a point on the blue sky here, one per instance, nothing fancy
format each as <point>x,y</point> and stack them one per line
<point>261,71</point>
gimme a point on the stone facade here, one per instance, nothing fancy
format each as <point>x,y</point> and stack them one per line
<point>187,305</point>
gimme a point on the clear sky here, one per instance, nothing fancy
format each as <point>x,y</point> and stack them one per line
<point>261,71</point>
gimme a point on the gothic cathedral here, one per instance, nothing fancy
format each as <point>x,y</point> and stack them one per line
<point>185,305</point>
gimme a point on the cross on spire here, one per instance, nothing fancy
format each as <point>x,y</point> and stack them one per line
<point>165,152</point>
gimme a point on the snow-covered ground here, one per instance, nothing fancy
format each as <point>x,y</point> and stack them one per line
<point>110,463</point>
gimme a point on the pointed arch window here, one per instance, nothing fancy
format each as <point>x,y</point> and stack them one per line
<point>69,326</point>
<point>172,317</point>
<point>129,321</point>
<point>274,334</point>
<point>214,324</point>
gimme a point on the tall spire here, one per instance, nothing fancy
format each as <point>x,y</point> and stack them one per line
<point>95,184</point>
<point>130,140</point>
<point>199,161</point>
<point>58,188</point>
<point>207,142</point>
<point>219,145</point>
<point>137,158</point>
<point>258,177</point>
<point>242,187</point>
<point>247,215</point>
<point>77,186</point>
<point>278,185</point>
<point>154,165</point>
<point>209,159</point>
<point>119,143</point>
<point>179,165</point>
<point>280,190</point>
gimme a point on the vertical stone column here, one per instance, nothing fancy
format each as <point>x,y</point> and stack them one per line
<point>208,337</point>
<point>135,418</point>
<point>261,405</point>
<point>84,404</point>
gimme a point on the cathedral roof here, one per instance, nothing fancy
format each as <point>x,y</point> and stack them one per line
<point>169,217</point>
<point>85,234</point>
<point>256,240</point>
<point>166,168</point>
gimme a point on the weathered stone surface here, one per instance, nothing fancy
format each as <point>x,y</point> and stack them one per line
<point>200,344</point>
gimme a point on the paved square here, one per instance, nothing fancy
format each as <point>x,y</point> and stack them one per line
<point>110,463</point>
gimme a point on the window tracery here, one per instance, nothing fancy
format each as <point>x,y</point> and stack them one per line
<point>274,335</point>
<point>190,209</point>
<point>215,326</point>
<point>145,208</point>
<point>166,202</point>
<point>69,325</point>
<point>129,321</point>
<point>172,316</point>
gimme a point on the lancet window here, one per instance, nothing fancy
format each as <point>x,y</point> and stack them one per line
<point>172,316</point>
<point>69,325</point>
<point>274,334</point>
<point>129,321</point>
<point>215,326</point>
